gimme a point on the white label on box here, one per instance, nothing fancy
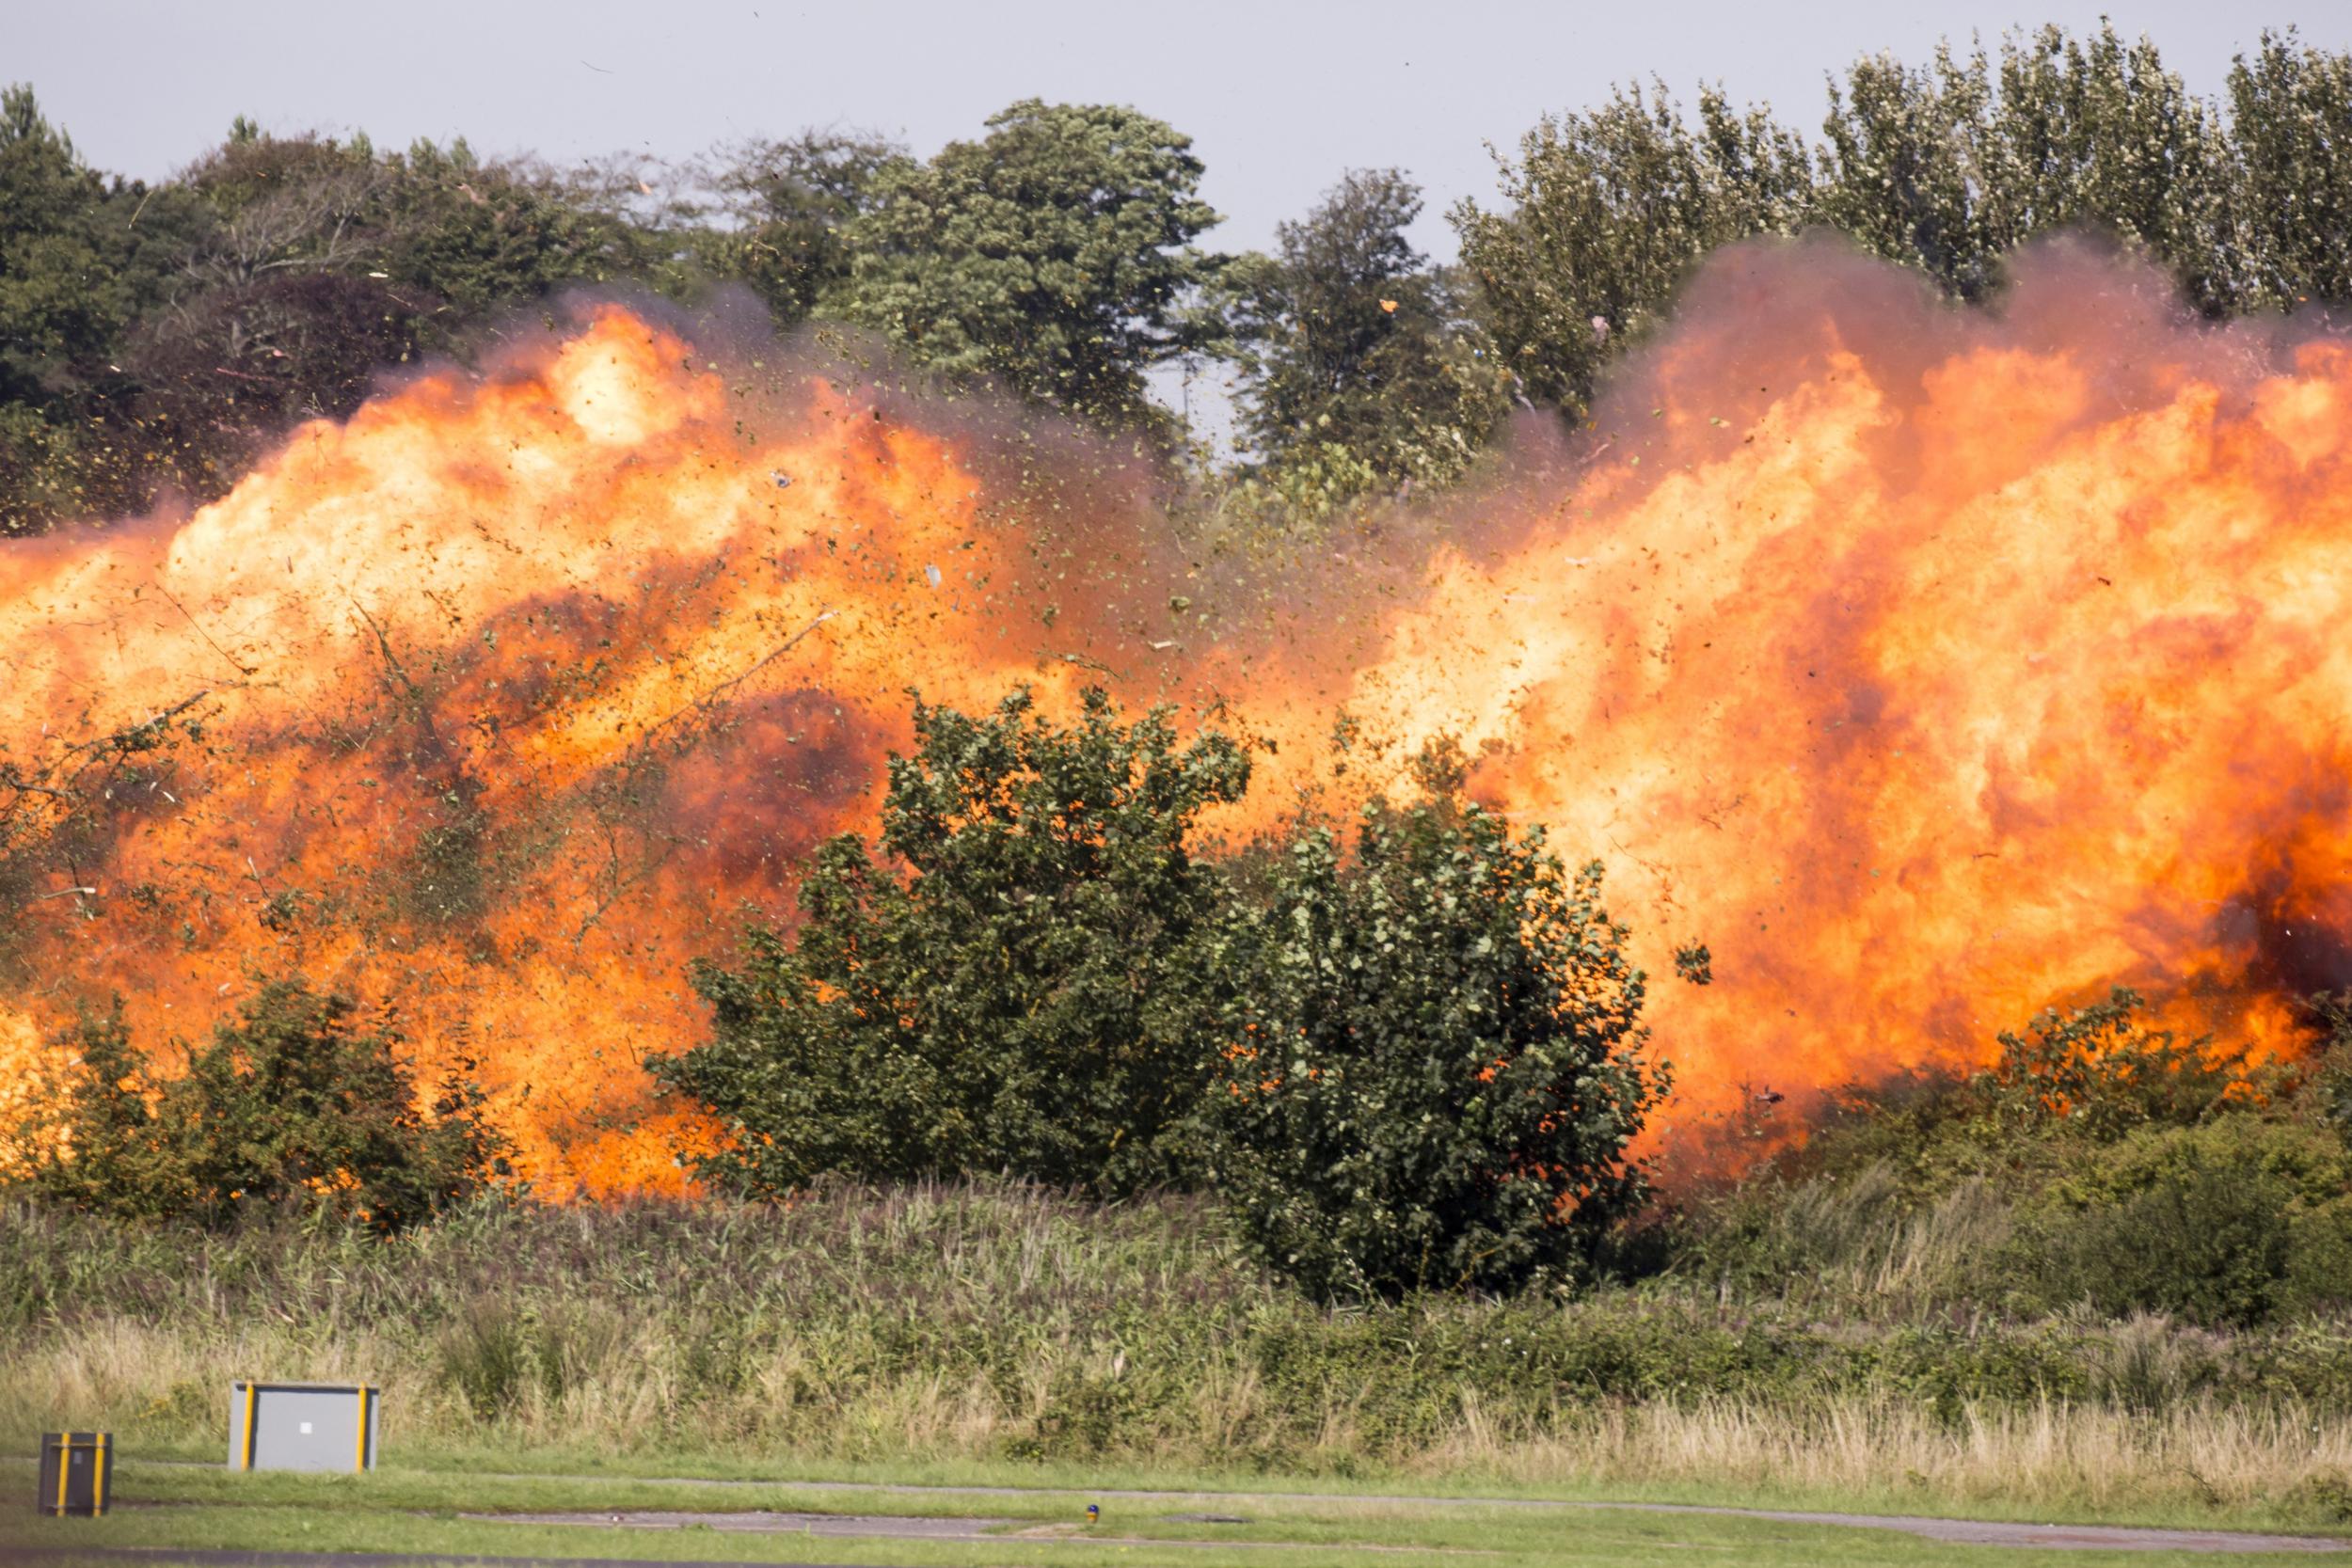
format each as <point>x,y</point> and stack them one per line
<point>305,1429</point>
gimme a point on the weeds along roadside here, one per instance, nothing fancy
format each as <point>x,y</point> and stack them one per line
<point>981,1323</point>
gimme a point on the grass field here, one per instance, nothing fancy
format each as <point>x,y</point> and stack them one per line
<point>947,1332</point>
<point>421,1510</point>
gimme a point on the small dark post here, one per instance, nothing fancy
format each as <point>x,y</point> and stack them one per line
<point>76,1472</point>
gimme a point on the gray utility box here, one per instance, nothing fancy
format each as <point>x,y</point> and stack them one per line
<point>302,1426</point>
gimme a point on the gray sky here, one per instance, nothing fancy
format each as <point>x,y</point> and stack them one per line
<point>1278,97</point>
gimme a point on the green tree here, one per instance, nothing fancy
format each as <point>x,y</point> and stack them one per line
<point>2100,133</point>
<point>294,1101</point>
<point>314,263</point>
<point>1899,172</point>
<point>1951,168</point>
<point>474,234</point>
<point>1609,212</point>
<point>284,204</point>
<point>788,203</point>
<point>1945,167</point>
<point>154,338</point>
<point>80,258</point>
<point>1357,359</point>
<point>488,233</point>
<point>2290,131</point>
<point>62,299</point>
<point>279,307</point>
<point>1054,253</point>
<point>1438,1064</point>
<point>1027,997</point>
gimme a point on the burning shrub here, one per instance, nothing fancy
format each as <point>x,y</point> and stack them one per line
<point>1439,1068</point>
<point>2074,1079</point>
<point>1026,1000</point>
<point>2094,1068</point>
<point>2095,1163</point>
<point>292,1102</point>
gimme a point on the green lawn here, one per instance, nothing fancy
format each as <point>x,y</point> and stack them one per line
<point>417,1510</point>
<point>537,1479</point>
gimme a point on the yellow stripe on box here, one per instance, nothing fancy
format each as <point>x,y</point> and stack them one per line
<point>359,1458</point>
<point>252,1392</point>
<point>98,1478</point>
<point>65,1463</point>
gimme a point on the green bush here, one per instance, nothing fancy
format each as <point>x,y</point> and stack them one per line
<point>2203,1243</point>
<point>2319,1259</point>
<point>2324,1094</point>
<point>2229,1223</point>
<point>1419,1070</point>
<point>1438,1064</point>
<point>1027,998</point>
<point>2095,1163</point>
<point>293,1102</point>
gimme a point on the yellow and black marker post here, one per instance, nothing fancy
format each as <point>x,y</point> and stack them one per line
<point>76,1468</point>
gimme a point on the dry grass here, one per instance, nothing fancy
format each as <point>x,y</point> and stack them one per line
<point>958,1326</point>
<point>2044,1458</point>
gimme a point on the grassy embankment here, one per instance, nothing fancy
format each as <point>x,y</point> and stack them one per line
<point>959,1334</point>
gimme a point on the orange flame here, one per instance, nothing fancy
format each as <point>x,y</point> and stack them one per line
<point>1931,667</point>
<point>575,602</point>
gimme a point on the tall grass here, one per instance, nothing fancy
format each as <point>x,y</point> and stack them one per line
<point>2042,1457</point>
<point>993,1323</point>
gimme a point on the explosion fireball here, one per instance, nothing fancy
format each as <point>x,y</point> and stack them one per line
<point>1932,667</point>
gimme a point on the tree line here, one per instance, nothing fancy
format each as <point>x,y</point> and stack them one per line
<point>154,336</point>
